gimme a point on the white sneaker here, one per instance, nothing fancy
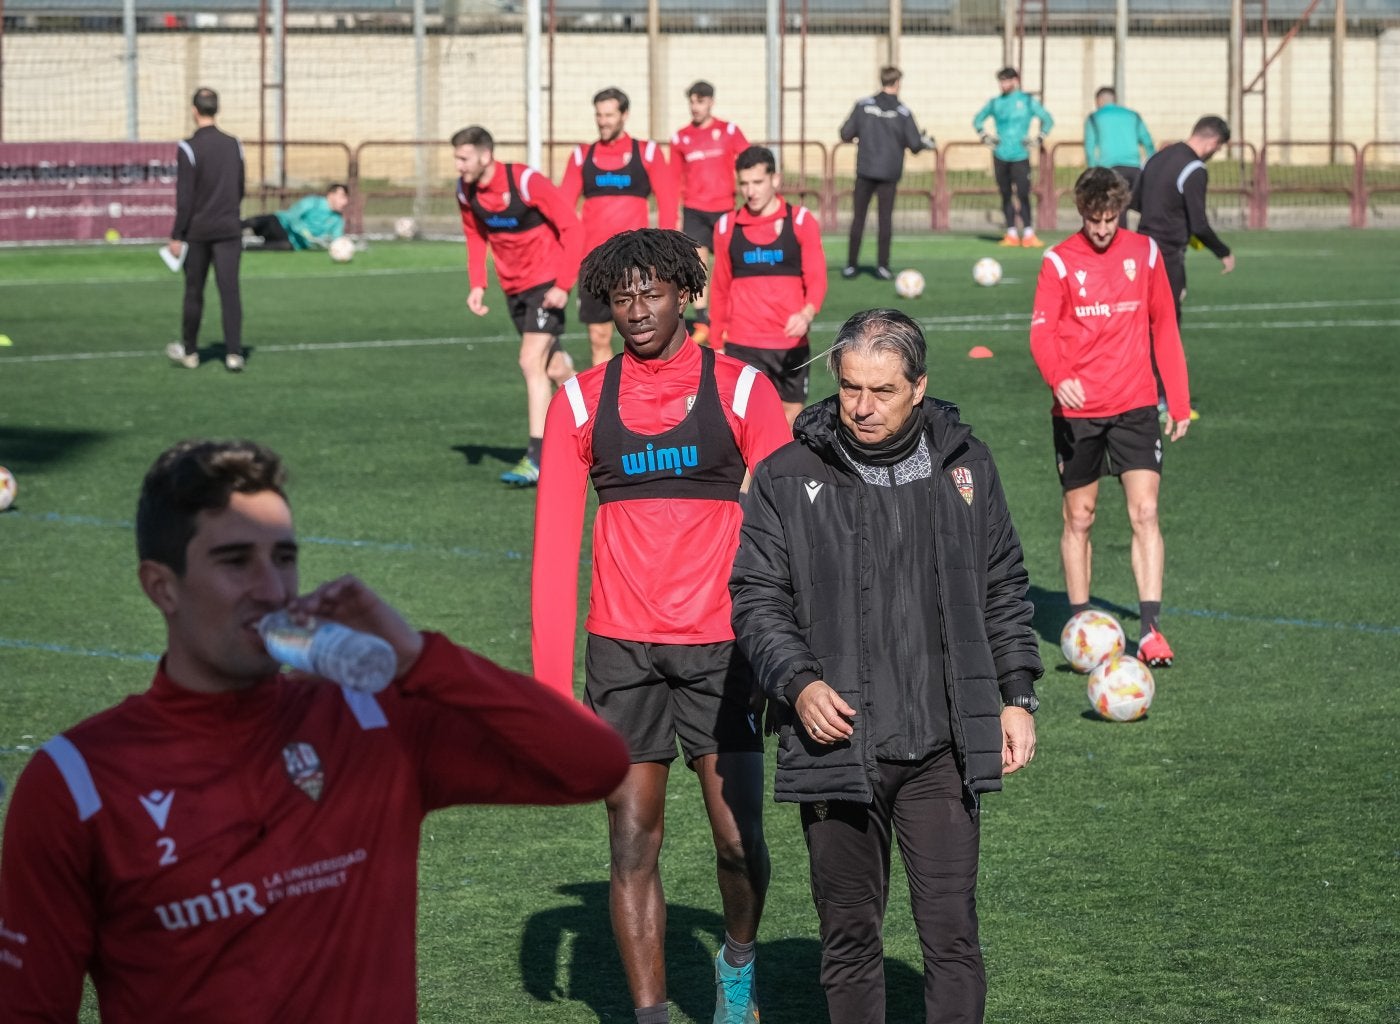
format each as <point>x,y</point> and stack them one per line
<point>176,353</point>
<point>233,363</point>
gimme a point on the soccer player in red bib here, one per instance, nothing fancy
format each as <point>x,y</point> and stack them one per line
<point>702,162</point>
<point>537,240</point>
<point>665,431</point>
<point>238,845</point>
<point>615,176</point>
<point>1103,316</point>
<point>769,281</point>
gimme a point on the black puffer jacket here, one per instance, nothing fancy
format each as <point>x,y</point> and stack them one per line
<point>803,589</point>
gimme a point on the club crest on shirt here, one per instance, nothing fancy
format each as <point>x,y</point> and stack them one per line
<point>962,476</point>
<point>1130,269</point>
<point>304,768</point>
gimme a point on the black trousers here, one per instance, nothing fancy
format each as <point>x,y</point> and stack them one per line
<point>1174,262</point>
<point>224,254</point>
<point>267,227</point>
<point>860,206</point>
<point>848,844</point>
<point>1014,174</point>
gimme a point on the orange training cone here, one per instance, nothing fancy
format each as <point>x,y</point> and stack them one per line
<point>979,352</point>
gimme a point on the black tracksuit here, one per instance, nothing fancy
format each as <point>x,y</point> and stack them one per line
<point>885,128</point>
<point>903,589</point>
<point>1171,196</point>
<point>208,192</point>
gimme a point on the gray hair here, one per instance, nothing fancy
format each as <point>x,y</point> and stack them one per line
<point>881,330</point>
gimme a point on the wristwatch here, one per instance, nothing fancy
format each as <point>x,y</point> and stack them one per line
<point>1030,702</point>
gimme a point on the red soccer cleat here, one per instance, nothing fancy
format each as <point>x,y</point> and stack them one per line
<point>1154,650</point>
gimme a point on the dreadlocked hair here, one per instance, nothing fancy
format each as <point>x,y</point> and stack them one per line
<point>668,256</point>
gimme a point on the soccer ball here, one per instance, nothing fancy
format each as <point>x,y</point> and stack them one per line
<point>405,228</point>
<point>1121,689</point>
<point>342,250</point>
<point>1091,637</point>
<point>8,488</point>
<point>986,271</point>
<point>909,284</point>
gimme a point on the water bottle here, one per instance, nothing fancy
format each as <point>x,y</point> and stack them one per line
<point>355,660</point>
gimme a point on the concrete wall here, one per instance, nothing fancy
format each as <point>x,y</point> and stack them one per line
<point>351,88</point>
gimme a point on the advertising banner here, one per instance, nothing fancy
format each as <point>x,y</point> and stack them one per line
<point>86,191</point>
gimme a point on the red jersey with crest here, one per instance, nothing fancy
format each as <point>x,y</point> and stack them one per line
<point>756,286</point>
<point>550,251</point>
<point>702,161</point>
<point>1105,317</point>
<point>253,856</point>
<point>607,215</point>
<point>660,565</point>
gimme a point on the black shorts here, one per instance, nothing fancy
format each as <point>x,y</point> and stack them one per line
<point>1086,449</point>
<point>532,318</point>
<point>699,225</point>
<point>654,693</point>
<point>787,368</point>
<point>592,310</point>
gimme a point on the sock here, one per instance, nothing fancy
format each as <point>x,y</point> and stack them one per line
<point>533,449</point>
<point>658,1014</point>
<point>1149,612</point>
<point>738,954</point>
<point>1012,233</point>
<point>1075,609</point>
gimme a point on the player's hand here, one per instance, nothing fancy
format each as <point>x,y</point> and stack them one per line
<point>926,140</point>
<point>475,304</point>
<point>824,715</point>
<point>1176,429</point>
<point>1227,263</point>
<point>555,298</point>
<point>1017,739</point>
<point>176,247</point>
<point>350,602</point>
<point>799,324</point>
<point>1070,393</point>
<point>988,139</point>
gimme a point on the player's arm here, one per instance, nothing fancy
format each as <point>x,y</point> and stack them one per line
<point>677,165</point>
<point>980,118</point>
<point>1167,352</point>
<point>559,510</point>
<point>1091,141</point>
<point>850,130</point>
<point>1144,138</point>
<point>1047,310</point>
<point>1193,193</point>
<point>763,427</point>
<point>761,591</point>
<point>571,185</point>
<point>549,199</point>
<point>813,273</point>
<point>737,142</point>
<point>475,233</point>
<point>496,736</point>
<point>184,195</point>
<point>1046,121</point>
<point>721,283</point>
<point>48,916</point>
<point>663,183</point>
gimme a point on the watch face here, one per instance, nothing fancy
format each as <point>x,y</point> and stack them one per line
<point>1031,704</point>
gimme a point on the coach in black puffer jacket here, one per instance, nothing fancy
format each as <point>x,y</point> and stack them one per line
<point>880,596</point>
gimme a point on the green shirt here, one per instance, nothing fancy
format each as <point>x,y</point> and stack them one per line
<point>1112,135</point>
<point>1012,114</point>
<point>311,222</point>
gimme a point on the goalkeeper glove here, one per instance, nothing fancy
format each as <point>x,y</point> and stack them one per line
<point>989,139</point>
<point>1033,142</point>
<point>926,140</point>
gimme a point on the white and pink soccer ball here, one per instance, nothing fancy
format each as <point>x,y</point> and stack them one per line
<point>1121,689</point>
<point>8,488</point>
<point>1091,637</point>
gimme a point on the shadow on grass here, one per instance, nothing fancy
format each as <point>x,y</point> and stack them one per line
<point>30,448</point>
<point>475,453</point>
<point>789,991</point>
<point>1052,609</point>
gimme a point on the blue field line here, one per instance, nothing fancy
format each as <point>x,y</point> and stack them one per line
<point>1264,620</point>
<point>457,551</point>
